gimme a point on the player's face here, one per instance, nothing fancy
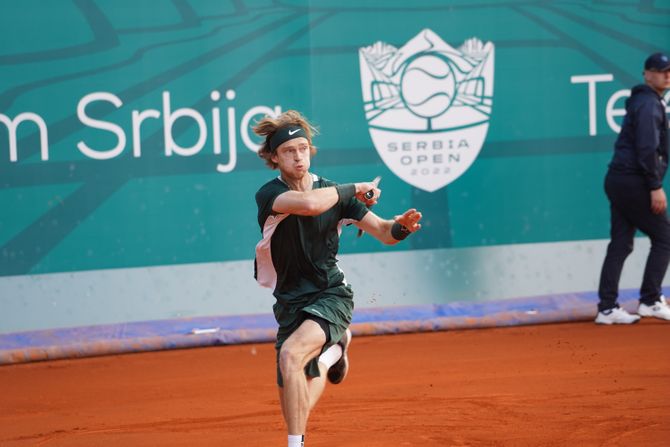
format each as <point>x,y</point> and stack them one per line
<point>292,157</point>
<point>658,80</point>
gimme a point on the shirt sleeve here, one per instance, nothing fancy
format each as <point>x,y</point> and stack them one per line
<point>354,209</point>
<point>647,141</point>
<point>265,199</point>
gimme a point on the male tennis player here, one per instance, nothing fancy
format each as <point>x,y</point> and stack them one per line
<point>300,215</point>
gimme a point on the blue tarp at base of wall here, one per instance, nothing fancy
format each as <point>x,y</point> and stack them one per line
<point>211,331</point>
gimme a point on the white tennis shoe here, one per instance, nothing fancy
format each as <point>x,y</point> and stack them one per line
<point>616,315</point>
<point>660,309</point>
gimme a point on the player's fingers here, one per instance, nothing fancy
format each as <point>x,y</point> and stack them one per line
<point>412,217</point>
<point>404,216</point>
<point>409,219</point>
<point>373,197</point>
<point>373,193</point>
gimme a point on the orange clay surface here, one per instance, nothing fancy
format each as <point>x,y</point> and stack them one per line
<point>572,384</point>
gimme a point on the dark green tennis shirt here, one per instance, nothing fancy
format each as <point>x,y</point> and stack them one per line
<point>297,254</point>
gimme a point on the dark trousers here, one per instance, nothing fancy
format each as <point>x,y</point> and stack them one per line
<point>630,207</point>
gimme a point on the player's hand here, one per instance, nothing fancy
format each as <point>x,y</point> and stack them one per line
<point>659,202</point>
<point>409,219</point>
<point>368,193</point>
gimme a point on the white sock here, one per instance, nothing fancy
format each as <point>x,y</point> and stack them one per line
<point>296,440</point>
<point>331,356</point>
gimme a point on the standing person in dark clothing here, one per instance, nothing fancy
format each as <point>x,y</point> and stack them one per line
<point>634,187</point>
<point>301,215</point>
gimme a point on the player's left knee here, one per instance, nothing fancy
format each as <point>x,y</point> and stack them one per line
<point>290,360</point>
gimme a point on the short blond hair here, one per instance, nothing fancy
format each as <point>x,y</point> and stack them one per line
<point>269,125</point>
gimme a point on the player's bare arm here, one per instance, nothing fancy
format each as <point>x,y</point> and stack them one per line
<point>317,201</point>
<point>383,229</point>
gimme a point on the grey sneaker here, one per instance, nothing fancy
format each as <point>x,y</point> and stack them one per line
<point>616,315</point>
<point>659,309</point>
<point>339,370</point>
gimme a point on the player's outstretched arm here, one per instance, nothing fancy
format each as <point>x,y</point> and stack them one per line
<point>318,201</point>
<point>391,232</point>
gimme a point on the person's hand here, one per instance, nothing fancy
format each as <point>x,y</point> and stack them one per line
<point>659,203</point>
<point>363,188</point>
<point>409,219</point>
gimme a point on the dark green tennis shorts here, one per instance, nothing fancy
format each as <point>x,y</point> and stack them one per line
<point>334,305</point>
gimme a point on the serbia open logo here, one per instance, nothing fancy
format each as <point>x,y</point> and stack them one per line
<point>428,106</point>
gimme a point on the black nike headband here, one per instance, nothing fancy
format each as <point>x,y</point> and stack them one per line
<point>285,134</point>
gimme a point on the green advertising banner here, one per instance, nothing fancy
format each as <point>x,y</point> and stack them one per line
<point>128,167</point>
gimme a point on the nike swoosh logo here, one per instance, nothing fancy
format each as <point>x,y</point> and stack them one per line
<point>291,132</point>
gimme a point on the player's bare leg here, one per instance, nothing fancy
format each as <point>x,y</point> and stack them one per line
<point>302,346</point>
<point>315,387</point>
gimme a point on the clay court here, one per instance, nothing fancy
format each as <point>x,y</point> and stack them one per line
<point>573,384</point>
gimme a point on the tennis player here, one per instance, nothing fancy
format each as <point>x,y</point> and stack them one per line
<point>300,215</point>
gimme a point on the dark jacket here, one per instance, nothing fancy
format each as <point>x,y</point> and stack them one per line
<point>642,145</point>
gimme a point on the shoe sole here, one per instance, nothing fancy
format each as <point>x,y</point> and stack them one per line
<point>651,315</point>
<point>610,323</point>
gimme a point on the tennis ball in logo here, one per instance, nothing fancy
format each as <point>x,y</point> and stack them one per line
<point>427,85</point>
